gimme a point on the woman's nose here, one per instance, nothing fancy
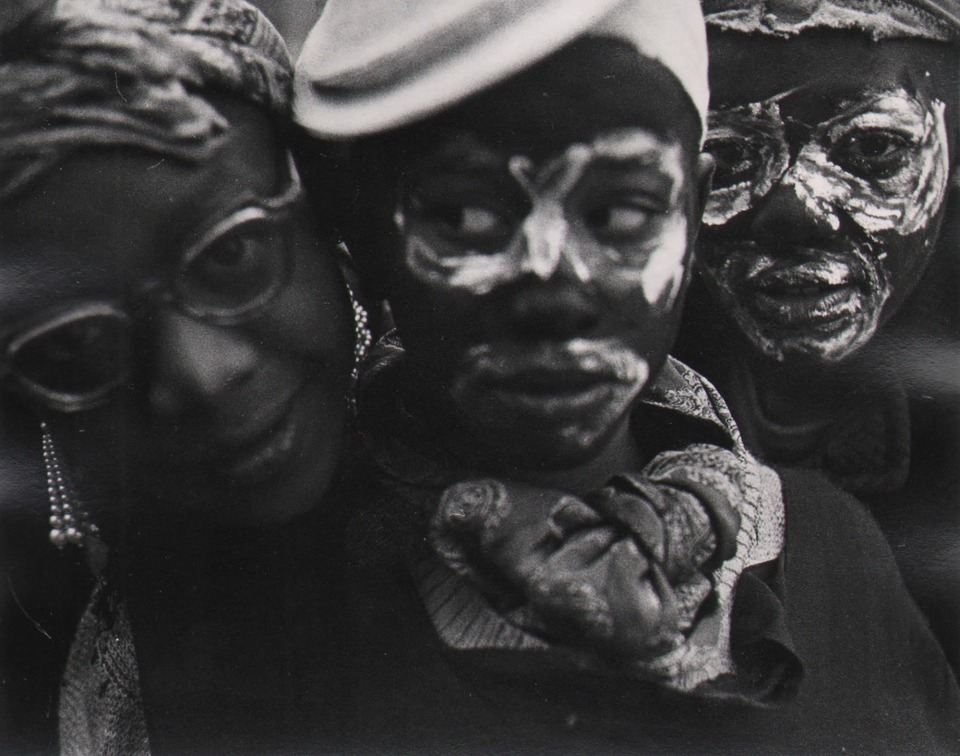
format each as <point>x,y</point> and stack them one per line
<point>555,310</point>
<point>789,220</point>
<point>196,362</point>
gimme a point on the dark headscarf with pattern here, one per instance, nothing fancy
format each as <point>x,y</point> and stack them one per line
<point>134,73</point>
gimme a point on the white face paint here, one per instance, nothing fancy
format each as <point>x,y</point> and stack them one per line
<point>644,240</point>
<point>827,175</point>
<point>606,377</point>
<point>871,175</point>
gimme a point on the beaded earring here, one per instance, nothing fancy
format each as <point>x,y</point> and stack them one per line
<point>363,339</point>
<point>69,522</point>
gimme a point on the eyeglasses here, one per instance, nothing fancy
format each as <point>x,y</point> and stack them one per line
<point>76,359</point>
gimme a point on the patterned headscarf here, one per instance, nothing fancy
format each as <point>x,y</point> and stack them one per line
<point>937,20</point>
<point>78,73</point>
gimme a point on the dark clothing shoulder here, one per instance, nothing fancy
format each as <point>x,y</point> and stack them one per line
<point>875,680</point>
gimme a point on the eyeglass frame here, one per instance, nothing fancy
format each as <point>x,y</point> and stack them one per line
<point>163,293</point>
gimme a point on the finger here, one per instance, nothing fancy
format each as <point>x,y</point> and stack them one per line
<point>569,589</point>
<point>636,604</point>
<point>581,550</point>
<point>636,514</point>
<point>690,540</point>
<point>569,515</point>
<point>715,492</point>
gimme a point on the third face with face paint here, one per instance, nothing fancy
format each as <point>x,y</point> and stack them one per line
<point>542,247</point>
<point>832,168</point>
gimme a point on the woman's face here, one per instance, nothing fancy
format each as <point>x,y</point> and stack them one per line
<point>180,328</point>
<point>832,168</point>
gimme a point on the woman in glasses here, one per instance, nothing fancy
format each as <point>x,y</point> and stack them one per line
<point>181,343</point>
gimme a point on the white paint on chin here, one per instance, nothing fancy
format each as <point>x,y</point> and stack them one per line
<point>576,421</point>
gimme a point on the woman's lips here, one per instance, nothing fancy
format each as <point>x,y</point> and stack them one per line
<point>264,456</point>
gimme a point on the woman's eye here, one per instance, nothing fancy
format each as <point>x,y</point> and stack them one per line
<point>617,220</point>
<point>236,269</point>
<point>76,356</point>
<point>735,158</point>
<point>874,153</point>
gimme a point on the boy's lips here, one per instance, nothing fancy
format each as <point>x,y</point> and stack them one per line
<point>553,378</point>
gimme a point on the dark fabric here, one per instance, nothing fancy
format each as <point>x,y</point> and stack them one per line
<point>42,594</point>
<point>235,635</point>
<point>894,441</point>
<point>875,680</point>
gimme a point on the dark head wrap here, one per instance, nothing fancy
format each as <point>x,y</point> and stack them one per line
<point>135,73</point>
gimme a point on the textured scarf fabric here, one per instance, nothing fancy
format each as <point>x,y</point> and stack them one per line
<point>372,66</point>
<point>101,709</point>
<point>937,20</point>
<point>707,454</point>
<point>79,73</point>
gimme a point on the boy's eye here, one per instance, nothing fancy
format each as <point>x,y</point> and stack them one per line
<point>469,223</point>
<point>736,160</point>
<point>872,153</point>
<point>617,220</point>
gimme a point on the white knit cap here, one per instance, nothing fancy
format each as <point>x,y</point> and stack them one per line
<point>372,65</point>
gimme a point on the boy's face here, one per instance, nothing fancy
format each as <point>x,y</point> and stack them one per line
<point>833,161</point>
<point>542,242</point>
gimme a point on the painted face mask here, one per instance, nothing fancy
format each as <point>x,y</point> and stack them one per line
<point>596,235</point>
<point>868,179</point>
<point>549,239</point>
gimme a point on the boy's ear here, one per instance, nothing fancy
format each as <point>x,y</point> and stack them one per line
<point>705,167</point>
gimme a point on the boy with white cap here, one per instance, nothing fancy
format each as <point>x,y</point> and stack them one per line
<point>573,508</point>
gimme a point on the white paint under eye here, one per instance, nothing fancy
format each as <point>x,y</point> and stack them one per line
<point>902,203</point>
<point>546,243</point>
<point>662,275</point>
<point>760,126</point>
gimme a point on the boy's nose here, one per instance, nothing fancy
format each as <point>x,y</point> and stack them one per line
<point>557,310</point>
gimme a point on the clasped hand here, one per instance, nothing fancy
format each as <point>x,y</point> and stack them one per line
<point>623,571</point>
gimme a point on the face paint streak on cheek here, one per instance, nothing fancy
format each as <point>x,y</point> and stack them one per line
<point>934,176</point>
<point>661,276</point>
<point>474,272</point>
<point>903,203</point>
<point>759,126</point>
